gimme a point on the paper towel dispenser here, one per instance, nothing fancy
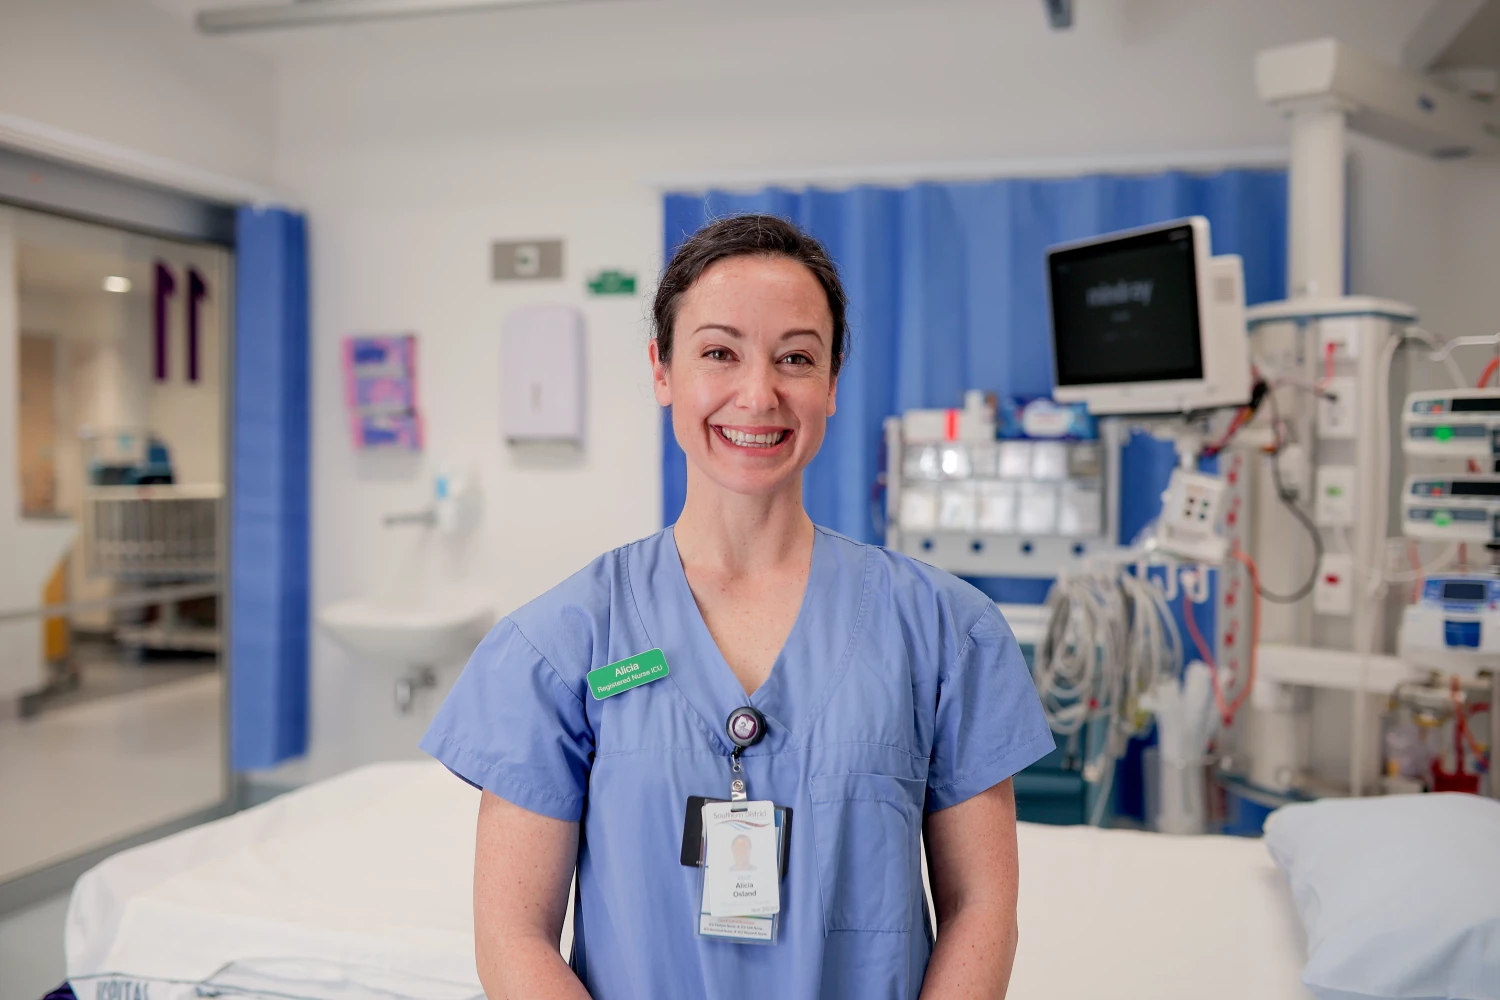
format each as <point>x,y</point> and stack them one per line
<point>542,376</point>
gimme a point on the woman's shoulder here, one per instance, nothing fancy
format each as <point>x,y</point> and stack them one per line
<point>913,588</point>
<point>578,614</point>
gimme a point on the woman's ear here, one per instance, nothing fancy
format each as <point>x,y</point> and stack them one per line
<point>660,384</point>
<point>833,392</point>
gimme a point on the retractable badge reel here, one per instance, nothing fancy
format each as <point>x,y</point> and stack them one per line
<point>746,727</point>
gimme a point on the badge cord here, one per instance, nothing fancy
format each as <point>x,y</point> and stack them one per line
<point>746,727</point>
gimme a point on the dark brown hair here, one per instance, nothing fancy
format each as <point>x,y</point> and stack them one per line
<point>746,236</point>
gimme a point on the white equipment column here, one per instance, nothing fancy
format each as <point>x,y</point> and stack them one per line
<point>1318,193</point>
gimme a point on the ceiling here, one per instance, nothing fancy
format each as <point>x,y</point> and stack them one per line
<point>1477,44</point>
<point>54,270</point>
<point>58,256</point>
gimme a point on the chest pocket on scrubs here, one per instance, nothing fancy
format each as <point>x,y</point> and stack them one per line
<point>865,833</point>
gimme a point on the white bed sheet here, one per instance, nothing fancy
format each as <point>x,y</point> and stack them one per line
<point>373,869</point>
<point>1146,916</point>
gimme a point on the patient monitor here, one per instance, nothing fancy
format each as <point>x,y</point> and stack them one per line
<point>1148,321</point>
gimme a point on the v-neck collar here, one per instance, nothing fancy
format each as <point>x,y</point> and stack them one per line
<point>812,656</point>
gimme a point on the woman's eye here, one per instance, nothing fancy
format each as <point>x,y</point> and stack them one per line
<point>716,354</point>
<point>798,359</point>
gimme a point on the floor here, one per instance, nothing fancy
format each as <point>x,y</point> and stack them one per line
<point>136,743</point>
<point>104,670</point>
<point>31,949</point>
<point>86,774</point>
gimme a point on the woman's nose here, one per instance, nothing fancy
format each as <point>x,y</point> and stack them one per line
<point>757,389</point>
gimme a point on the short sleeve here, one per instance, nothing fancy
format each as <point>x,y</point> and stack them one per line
<point>989,719</point>
<point>512,727</point>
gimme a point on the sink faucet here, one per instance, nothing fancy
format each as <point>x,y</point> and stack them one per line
<point>427,518</point>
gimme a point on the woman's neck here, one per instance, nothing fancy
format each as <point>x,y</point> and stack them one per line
<point>738,534</point>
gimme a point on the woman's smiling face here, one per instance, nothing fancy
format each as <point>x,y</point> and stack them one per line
<point>750,377</point>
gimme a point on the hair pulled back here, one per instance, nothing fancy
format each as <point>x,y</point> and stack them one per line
<point>746,236</point>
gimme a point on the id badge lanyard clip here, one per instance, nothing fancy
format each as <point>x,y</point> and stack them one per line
<point>746,727</point>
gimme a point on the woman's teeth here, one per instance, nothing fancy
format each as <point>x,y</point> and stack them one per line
<point>753,440</point>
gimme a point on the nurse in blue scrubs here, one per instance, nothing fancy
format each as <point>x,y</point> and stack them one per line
<point>892,700</point>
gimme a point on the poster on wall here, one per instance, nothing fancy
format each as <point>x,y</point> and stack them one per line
<point>380,391</point>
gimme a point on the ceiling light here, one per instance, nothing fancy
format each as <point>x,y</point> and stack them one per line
<point>223,20</point>
<point>115,283</point>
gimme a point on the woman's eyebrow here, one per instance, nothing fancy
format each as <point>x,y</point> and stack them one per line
<point>726,328</point>
<point>802,333</point>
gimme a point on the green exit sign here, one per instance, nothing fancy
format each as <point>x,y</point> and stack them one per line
<point>612,283</point>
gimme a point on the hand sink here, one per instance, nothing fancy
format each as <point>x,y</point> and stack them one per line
<point>437,629</point>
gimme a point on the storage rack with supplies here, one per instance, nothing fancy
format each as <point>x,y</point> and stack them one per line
<point>143,530</point>
<point>965,501</point>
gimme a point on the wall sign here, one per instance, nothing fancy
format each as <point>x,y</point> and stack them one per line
<point>380,391</point>
<point>612,283</point>
<point>164,287</point>
<point>527,260</point>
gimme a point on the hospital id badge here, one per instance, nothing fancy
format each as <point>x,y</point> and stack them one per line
<point>742,850</point>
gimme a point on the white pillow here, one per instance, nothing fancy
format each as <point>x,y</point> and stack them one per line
<point>1400,896</point>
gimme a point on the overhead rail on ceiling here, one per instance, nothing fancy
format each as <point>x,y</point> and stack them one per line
<point>304,13</point>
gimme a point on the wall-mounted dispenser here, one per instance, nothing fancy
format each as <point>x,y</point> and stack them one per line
<point>542,376</point>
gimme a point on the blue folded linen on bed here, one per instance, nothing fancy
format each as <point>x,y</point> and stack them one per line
<point>1399,895</point>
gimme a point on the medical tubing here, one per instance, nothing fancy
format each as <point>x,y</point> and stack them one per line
<point>1109,638</point>
<point>1228,709</point>
<point>1285,496</point>
<point>1489,370</point>
<point>1441,352</point>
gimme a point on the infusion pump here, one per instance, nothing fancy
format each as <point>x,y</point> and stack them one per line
<point>1454,423</point>
<point>1451,508</point>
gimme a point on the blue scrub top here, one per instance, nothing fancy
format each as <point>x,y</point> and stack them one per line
<point>900,691</point>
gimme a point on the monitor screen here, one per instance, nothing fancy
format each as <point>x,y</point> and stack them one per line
<point>1126,310</point>
<point>1463,591</point>
<point>1475,404</point>
<point>1475,488</point>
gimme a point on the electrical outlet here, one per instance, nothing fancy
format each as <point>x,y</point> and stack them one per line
<point>1333,503</point>
<point>1336,416</point>
<point>1343,333</point>
<point>1333,593</point>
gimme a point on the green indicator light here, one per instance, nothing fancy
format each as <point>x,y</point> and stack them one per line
<point>1335,491</point>
<point>1443,433</point>
<point>1442,518</point>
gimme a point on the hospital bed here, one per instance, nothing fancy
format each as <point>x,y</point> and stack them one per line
<point>372,870</point>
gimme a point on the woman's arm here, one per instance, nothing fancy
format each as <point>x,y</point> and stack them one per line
<point>971,859</point>
<point>523,866</point>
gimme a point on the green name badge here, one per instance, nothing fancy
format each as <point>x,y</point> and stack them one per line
<point>631,672</point>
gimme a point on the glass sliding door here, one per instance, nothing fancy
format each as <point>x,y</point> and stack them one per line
<point>114,350</point>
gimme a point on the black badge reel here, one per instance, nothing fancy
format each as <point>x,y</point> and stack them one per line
<point>746,727</point>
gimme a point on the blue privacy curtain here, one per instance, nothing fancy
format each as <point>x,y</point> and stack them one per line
<point>268,577</point>
<point>947,292</point>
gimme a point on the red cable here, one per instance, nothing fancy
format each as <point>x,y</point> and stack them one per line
<point>1461,732</point>
<point>1489,370</point>
<point>1227,711</point>
<point>1328,363</point>
<point>1234,425</point>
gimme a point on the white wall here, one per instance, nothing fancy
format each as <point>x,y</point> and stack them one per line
<point>414,144</point>
<point>128,73</point>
